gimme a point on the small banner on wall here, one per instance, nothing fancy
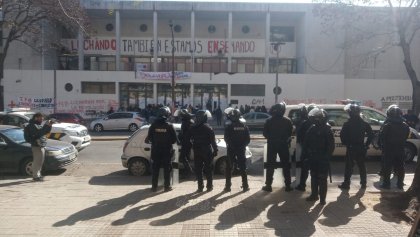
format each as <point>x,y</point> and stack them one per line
<point>165,76</point>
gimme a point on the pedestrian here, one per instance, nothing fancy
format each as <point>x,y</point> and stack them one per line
<point>162,136</point>
<point>411,119</point>
<point>242,109</point>
<point>393,136</point>
<point>237,137</point>
<point>186,123</point>
<point>353,136</point>
<point>302,125</point>
<point>219,115</point>
<point>111,110</point>
<point>278,131</point>
<point>263,109</point>
<point>35,133</point>
<point>318,147</point>
<point>205,149</point>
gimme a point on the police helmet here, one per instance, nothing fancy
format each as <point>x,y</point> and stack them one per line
<point>303,111</point>
<point>318,116</point>
<point>184,114</point>
<point>353,110</point>
<point>201,117</point>
<point>394,112</point>
<point>310,107</point>
<point>234,115</point>
<point>163,112</point>
<point>278,109</point>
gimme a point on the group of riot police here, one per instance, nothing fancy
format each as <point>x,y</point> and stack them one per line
<point>314,147</point>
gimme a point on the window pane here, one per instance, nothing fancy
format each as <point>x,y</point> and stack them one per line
<point>98,87</point>
<point>247,90</point>
<point>339,117</point>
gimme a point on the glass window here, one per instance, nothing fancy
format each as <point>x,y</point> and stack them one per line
<point>372,117</point>
<point>249,116</point>
<point>338,117</point>
<point>262,116</point>
<point>116,116</point>
<point>127,115</point>
<point>282,33</point>
<point>98,87</point>
<point>247,90</point>
<point>15,135</point>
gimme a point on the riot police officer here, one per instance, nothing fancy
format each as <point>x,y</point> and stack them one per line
<point>353,136</point>
<point>161,135</point>
<point>393,136</point>
<point>237,137</point>
<point>302,126</point>
<point>186,123</point>
<point>278,131</point>
<point>205,149</point>
<point>318,147</point>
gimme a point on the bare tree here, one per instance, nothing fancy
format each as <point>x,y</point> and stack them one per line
<point>392,23</point>
<point>23,21</point>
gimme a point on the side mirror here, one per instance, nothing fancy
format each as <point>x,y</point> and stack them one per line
<point>331,122</point>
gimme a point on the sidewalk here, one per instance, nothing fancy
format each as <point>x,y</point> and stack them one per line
<point>124,206</point>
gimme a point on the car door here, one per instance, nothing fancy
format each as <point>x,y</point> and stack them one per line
<point>375,120</point>
<point>250,119</point>
<point>112,121</point>
<point>336,118</point>
<point>9,155</point>
<point>126,120</point>
<point>260,119</point>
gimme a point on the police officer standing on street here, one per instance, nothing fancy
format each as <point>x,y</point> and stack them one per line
<point>205,149</point>
<point>353,136</point>
<point>186,123</point>
<point>302,126</point>
<point>318,147</point>
<point>278,130</point>
<point>162,136</point>
<point>393,136</point>
<point>237,137</point>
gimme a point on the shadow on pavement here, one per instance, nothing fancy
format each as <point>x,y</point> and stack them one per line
<point>120,178</point>
<point>106,207</point>
<point>16,183</point>
<point>156,209</point>
<point>341,211</point>
<point>193,211</point>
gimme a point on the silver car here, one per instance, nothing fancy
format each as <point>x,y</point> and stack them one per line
<point>136,153</point>
<point>256,119</point>
<point>118,121</point>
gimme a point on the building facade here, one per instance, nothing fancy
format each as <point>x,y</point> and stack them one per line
<point>224,53</point>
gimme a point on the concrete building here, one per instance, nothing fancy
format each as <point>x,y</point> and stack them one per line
<point>224,53</point>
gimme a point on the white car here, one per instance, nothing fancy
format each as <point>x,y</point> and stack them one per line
<point>72,133</point>
<point>337,116</point>
<point>118,121</point>
<point>136,153</point>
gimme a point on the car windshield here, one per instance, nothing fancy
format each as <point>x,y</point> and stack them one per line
<point>15,134</point>
<point>373,117</point>
<point>29,115</point>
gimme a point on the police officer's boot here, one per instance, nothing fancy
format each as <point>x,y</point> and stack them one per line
<point>155,176</point>
<point>227,187</point>
<point>323,186</point>
<point>268,180</point>
<point>344,185</point>
<point>314,189</point>
<point>287,177</point>
<point>245,186</point>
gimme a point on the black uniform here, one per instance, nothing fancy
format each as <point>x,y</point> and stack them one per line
<point>318,147</point>
<point>353,136</point>
<point>278,132</point>
<point>162,135</point>
<point>185,144</point>
<point>237,137</point>
<point>301,131</point>
<point>204,146</point>
<point>393,136</point>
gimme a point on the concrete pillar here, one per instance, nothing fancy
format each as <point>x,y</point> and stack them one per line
<point>267,42</point>
<point>155,95</point>
<point>155,39</point>
<point>192,40</point>
<point>229,66</point>
<point>118,39</point>
<point>80,50</point>
<point>192,94</point>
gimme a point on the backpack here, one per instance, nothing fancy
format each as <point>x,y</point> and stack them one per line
<point>26,134</point>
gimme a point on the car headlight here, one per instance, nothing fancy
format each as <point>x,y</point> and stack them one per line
<point>71,133</point>
<point>54,153</point>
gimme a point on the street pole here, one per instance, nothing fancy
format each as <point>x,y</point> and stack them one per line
<point>173,67</point>
<point>276,47</point>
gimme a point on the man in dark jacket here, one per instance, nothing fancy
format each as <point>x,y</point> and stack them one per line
<point>353,136</point>
<point>205,149</point>
<point>162,136</point>
<point>278,131</point>
<point>37,137</point>
<point>186,123</point>
<point>237,137</point>
<point>318,148</point>
<point>393,135</point>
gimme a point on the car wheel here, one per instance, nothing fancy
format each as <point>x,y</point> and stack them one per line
<point>221,165</point>
<point>26,167</point>
<point>98,128</point>
<point>410,152</point>
<point>133,127</point>
<point>138,167</point>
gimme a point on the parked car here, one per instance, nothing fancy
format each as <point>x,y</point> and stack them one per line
<point>72,133</point>
<point>67,118</point>
<point>136,153</point>
<point>256,119</point>
<point>118,121</point>
<point>16,154</point>
<point>337,116</point>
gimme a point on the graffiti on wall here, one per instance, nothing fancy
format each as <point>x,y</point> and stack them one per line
<point>87,107</point>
